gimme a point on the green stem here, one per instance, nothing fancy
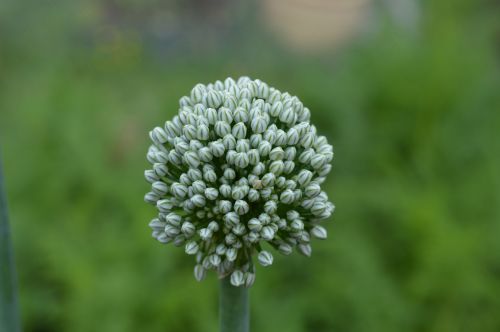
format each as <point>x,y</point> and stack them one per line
<point>9,315</point>
<point>233,307</point>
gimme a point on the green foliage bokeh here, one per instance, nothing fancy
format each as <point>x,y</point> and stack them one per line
<point>415,123</point>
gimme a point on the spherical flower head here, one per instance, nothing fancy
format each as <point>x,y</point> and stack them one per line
<point>240,165</point>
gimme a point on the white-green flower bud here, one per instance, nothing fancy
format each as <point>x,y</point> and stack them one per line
<point>188,229</point>
<point>242,145</point>
<point>239,229</point>
<point>194,174</point>
<point>164,205</point>
<point>172,230</point>
<point>214,260</point>
<point>249,279</point>
<point>263,90</point>
<point>287,196</point>
<point>237,278</point>
<point>229,142</point>
<point>222,128</point>
<point>231,253</point>
<point>253,237</point>
<point>178,190</point>
<point>238,192</point>
<point>198,187</point>
<point>288,167</point>
<point>264,218</point>
<point>265,258</point>
<point>217,149</point>
<point>276,109</point>
<point>225,114</point>
<point>253,157</point>
<point>317,161</point>
<point>277,153</point>
<point>189,131</point>
<point>253,195</point>
<point>174,157</point>
<point>198,200</point>
<point>318,208</point>
<point>266,193</point>
<point>230,102</point>
<point>280,182</point>
<point>312,190</point>
<point>304,177</point>
<point>230,157</point>
<point>199,272</point>
<point>211,193</point>
<point>305,249</point>
<point>205,234</point>
<point>259,169</point>
<point>307,140</point>
<point>290,153</point>
<point>264,148</point>
<point>197,93</point>
<point>281,138</point>
<point>151,198</point>
<point>241,115</point>
<point>202,133</point>
<point>297,225</point>
<point>267,233</point>
<point>151,176</point>
<point>191,158</point>
<point>151,157</point>
<point>162,157</point>
<point>213,226</point>
<point>173,219</point>
<point>210,176</point>
<point>255,224</point>
<point>179,240</point>
<point>225,206</point>
<point>259,124</point>
<point>306,155</point>
<point>270,207</point>
<point>287,116</point>
<point>157,225</point>
<point>230,239</point>
<point>241,207</point>
<point>277,167</point>
<point>185,101</point>
<point>292,136</point>
<point>285,249</point>
<point>255,140</point>
<point>159,136</point>
<point>214,99</point>
<point>270,136</point>
<point>163,238</point>
<point>229,173</point>
<point>160,169</point>
<point>225,190</point>
<point>232,218</point>
<point>191,248</point>
<point>220,249</point>
<point>319,232</point>
<point>241,160</point>
<point>172,129</point>
<point>325,170</point>
<point>268,179</point>
<point>239,130</point>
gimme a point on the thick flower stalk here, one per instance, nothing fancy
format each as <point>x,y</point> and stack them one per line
<point>238,167</point>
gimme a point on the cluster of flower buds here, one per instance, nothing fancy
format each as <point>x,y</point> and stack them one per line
<point>240,165</point>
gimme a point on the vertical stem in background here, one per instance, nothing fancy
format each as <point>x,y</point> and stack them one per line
<point>9,315</point>
<point>233,307</point>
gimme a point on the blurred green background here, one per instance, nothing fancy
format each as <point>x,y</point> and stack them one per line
<point>408,93</point>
